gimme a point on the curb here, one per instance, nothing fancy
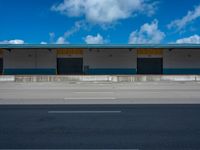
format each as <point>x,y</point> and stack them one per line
<point>100,78</point>
<point>7,78</point>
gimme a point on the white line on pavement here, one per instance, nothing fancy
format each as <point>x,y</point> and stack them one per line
<point>85,98</point>
<point>83,112</point>
<point>94,92</point>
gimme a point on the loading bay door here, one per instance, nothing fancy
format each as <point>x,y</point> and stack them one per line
<point>150,61</point>
<point>149,65</point>
<point>67,66</point>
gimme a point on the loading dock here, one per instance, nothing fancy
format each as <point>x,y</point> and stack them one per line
<point>68,59</point>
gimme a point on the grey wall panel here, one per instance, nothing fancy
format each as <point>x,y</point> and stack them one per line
<point>110,58</point>
<point>46,59</point>
<point>19,59</point>
<point>1,65</point>
<point>183,58</point>
<point>29,58</point>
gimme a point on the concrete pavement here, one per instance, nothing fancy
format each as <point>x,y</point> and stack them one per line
<point>100,93</point>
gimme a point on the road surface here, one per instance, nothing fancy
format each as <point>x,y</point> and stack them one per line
<point>139,127</point>
<point>140,116</point>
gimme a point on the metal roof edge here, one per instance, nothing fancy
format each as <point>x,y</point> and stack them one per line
<point>87,46</point>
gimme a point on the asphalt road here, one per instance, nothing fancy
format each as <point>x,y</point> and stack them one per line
<point>140,127</point>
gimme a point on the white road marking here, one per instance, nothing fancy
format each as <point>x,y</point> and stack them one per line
<point>83,112</point>
<point>89,98</point>
<point>94,92</point>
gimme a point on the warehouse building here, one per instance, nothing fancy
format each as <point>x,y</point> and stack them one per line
<point>99,59</point>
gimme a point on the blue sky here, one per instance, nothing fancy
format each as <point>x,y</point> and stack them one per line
<point>99,21</point>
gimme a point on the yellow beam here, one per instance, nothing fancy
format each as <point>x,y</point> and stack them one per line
<point>150,51</point>
<point>69,51</point>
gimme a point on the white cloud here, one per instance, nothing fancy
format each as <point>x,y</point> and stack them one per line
<point>43,42</point>
<point>148,33</point>
<point>61,40</point>
<point>104,11</point>
<point>16,41</point>
<point>64,38</point>
<point>51,37</point>
<point>98,39</point>
<point>195,39</point>
<point>77,26</point>
<point>181,23</point>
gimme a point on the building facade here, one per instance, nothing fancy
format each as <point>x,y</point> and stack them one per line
<point>99,59</point>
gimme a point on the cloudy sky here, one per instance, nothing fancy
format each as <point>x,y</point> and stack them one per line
<point>99,21</point>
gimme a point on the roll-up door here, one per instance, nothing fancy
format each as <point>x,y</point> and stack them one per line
<point>69,61</point>
<point>150,61</point>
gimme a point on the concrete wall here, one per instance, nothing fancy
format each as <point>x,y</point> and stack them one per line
<point>1,61</point>
<point>182,61</point>
<point>30,61</point>
<point>110,61</point>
